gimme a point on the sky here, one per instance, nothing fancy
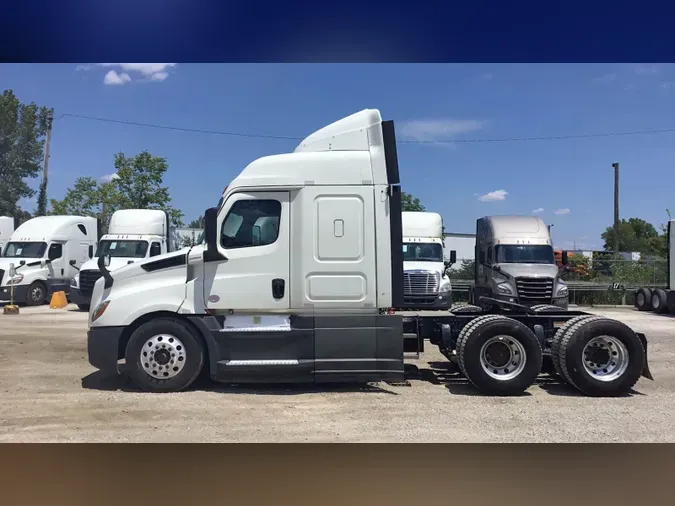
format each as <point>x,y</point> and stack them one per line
<point>567,181</point>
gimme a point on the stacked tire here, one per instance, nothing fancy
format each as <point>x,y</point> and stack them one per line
<point>655,300</point>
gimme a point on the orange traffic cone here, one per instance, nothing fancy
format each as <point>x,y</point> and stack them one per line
<point>58,301</point>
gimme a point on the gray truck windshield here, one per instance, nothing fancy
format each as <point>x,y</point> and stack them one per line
<point>124,249</point>
<point>530,254</point>
<point>422,252</point>
<point>25,249</point>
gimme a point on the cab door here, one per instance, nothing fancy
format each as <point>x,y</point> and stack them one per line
<point>253,274</point>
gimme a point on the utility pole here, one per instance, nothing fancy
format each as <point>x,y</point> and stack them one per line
<point>616,207</point>
<point>42,196</point>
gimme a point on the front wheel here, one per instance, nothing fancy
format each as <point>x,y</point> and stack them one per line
<point>83,307</point>
<point>37,294</point>
<point>164,355</point>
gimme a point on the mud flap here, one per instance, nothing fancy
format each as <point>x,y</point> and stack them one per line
<point>645,370</point>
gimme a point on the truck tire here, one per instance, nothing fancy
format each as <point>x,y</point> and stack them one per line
<point>164,355</point>
<point>659,302</point>
<point>499,355</point>
<point>545,308</point>
<point>643,299</point>
<point>37,294</point>
<point>463,308</point>
<point>599,356</point>
<point>83,307</point>
<point>557,339</point>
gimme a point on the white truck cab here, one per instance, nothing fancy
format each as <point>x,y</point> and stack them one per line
<point>46,252</point>
<point>292,281</point>
<point>7,226</point>
<point>425,282</point>
<point>133,234</point>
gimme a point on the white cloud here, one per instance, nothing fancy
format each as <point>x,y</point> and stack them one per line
<point>562,211</point>
<point>140,71</point>
<point>494,196</point>
<point>109,177</point>
<point>439,129</point>
<point>538,210</point>
<point>605,79</point>
<point>646,70</point>
<point>113,77</point>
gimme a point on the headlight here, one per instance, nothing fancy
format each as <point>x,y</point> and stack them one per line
<point>445,287</point>
<point>15,280</point>
<point>100,309</point>
<point>562,289</point>
<point>505,289</point>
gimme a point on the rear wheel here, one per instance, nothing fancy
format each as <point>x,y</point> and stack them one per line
<point>164,355</point>
<point>37,294</point>
<point>659,302</point>
<point>643,299</point>
<point>599,356</point>
<point>499,355</point>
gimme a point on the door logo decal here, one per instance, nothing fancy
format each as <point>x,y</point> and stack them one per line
<point>213,298</point>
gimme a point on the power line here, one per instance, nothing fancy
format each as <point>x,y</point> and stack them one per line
<point>406,141</point>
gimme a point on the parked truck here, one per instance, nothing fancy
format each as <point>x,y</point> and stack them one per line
<point>515,262</point>
<point>661,300</point>
<point>44,254</point>
<point>7,226</point>
<point>301,265</point>
<point>133,234</point>
<point>425,282</point>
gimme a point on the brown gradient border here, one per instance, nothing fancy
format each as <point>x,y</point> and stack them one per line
<point>323,474</point>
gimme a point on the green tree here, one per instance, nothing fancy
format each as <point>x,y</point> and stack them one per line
<point>465,271</point>
<point>137,184</point>
<point>22,131</point>
<point>198,223</point>
<point>410,203</point>
<point>635,234</point>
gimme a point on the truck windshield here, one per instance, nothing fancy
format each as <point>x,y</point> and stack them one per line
<point>422,252</point>
<point>25,249</point>
<point>530,254</point>
<point>126,249</point>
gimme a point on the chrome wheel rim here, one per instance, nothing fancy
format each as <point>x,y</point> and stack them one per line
<point>502,357</point>
<point>605,358</point>
<point>36,294</point>
<point>163,356</point>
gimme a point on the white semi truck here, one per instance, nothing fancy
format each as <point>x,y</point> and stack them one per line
<point>300,268</point>
<point>43,254</point>
<point>425,282</point>
<point>133,234</point>
<point>7,226</point>
<point>661,300</point>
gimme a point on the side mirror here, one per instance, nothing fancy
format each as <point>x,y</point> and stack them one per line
<point>453,256</point>
<point>22,263</point>
<point>564,258</point>
<point>72,263</point>
<point>211,235</point>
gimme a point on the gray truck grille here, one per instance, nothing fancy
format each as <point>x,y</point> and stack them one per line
<point>88,280</point>
<point>420,283</point>
<point>535,290</point>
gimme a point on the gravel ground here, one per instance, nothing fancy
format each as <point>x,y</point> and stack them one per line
<point>50,393</point>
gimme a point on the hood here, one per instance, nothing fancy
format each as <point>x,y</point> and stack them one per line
<point>115,263</point>
<point>5,262</point>
<point>530,270</point>
<point>135,269</point>
<point>424,266</point>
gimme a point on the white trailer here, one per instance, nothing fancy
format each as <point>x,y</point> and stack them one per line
<point>7,226</point>
<point>44,254</point>
<point>301,265</point>
<point>661,300</point>
<point>133,234</point>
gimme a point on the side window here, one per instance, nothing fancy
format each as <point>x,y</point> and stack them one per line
<point>82,229</point>
<point>251,223</point>
<point>155,249</point>
<point>55,251</point>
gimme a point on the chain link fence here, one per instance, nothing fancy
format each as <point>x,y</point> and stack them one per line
<point>609,281</point>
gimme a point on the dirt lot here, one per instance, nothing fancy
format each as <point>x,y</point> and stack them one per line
<point>49,392</point>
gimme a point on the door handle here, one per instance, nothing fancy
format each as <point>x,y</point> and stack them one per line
<point>278,288</point>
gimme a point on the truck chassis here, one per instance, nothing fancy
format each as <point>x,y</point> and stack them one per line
<point>502,352</point>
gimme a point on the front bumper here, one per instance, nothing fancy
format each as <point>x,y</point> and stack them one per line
<point>103,347</point>
<point>20,293</point>
<point>77,297</point>
<point>561,302</point>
